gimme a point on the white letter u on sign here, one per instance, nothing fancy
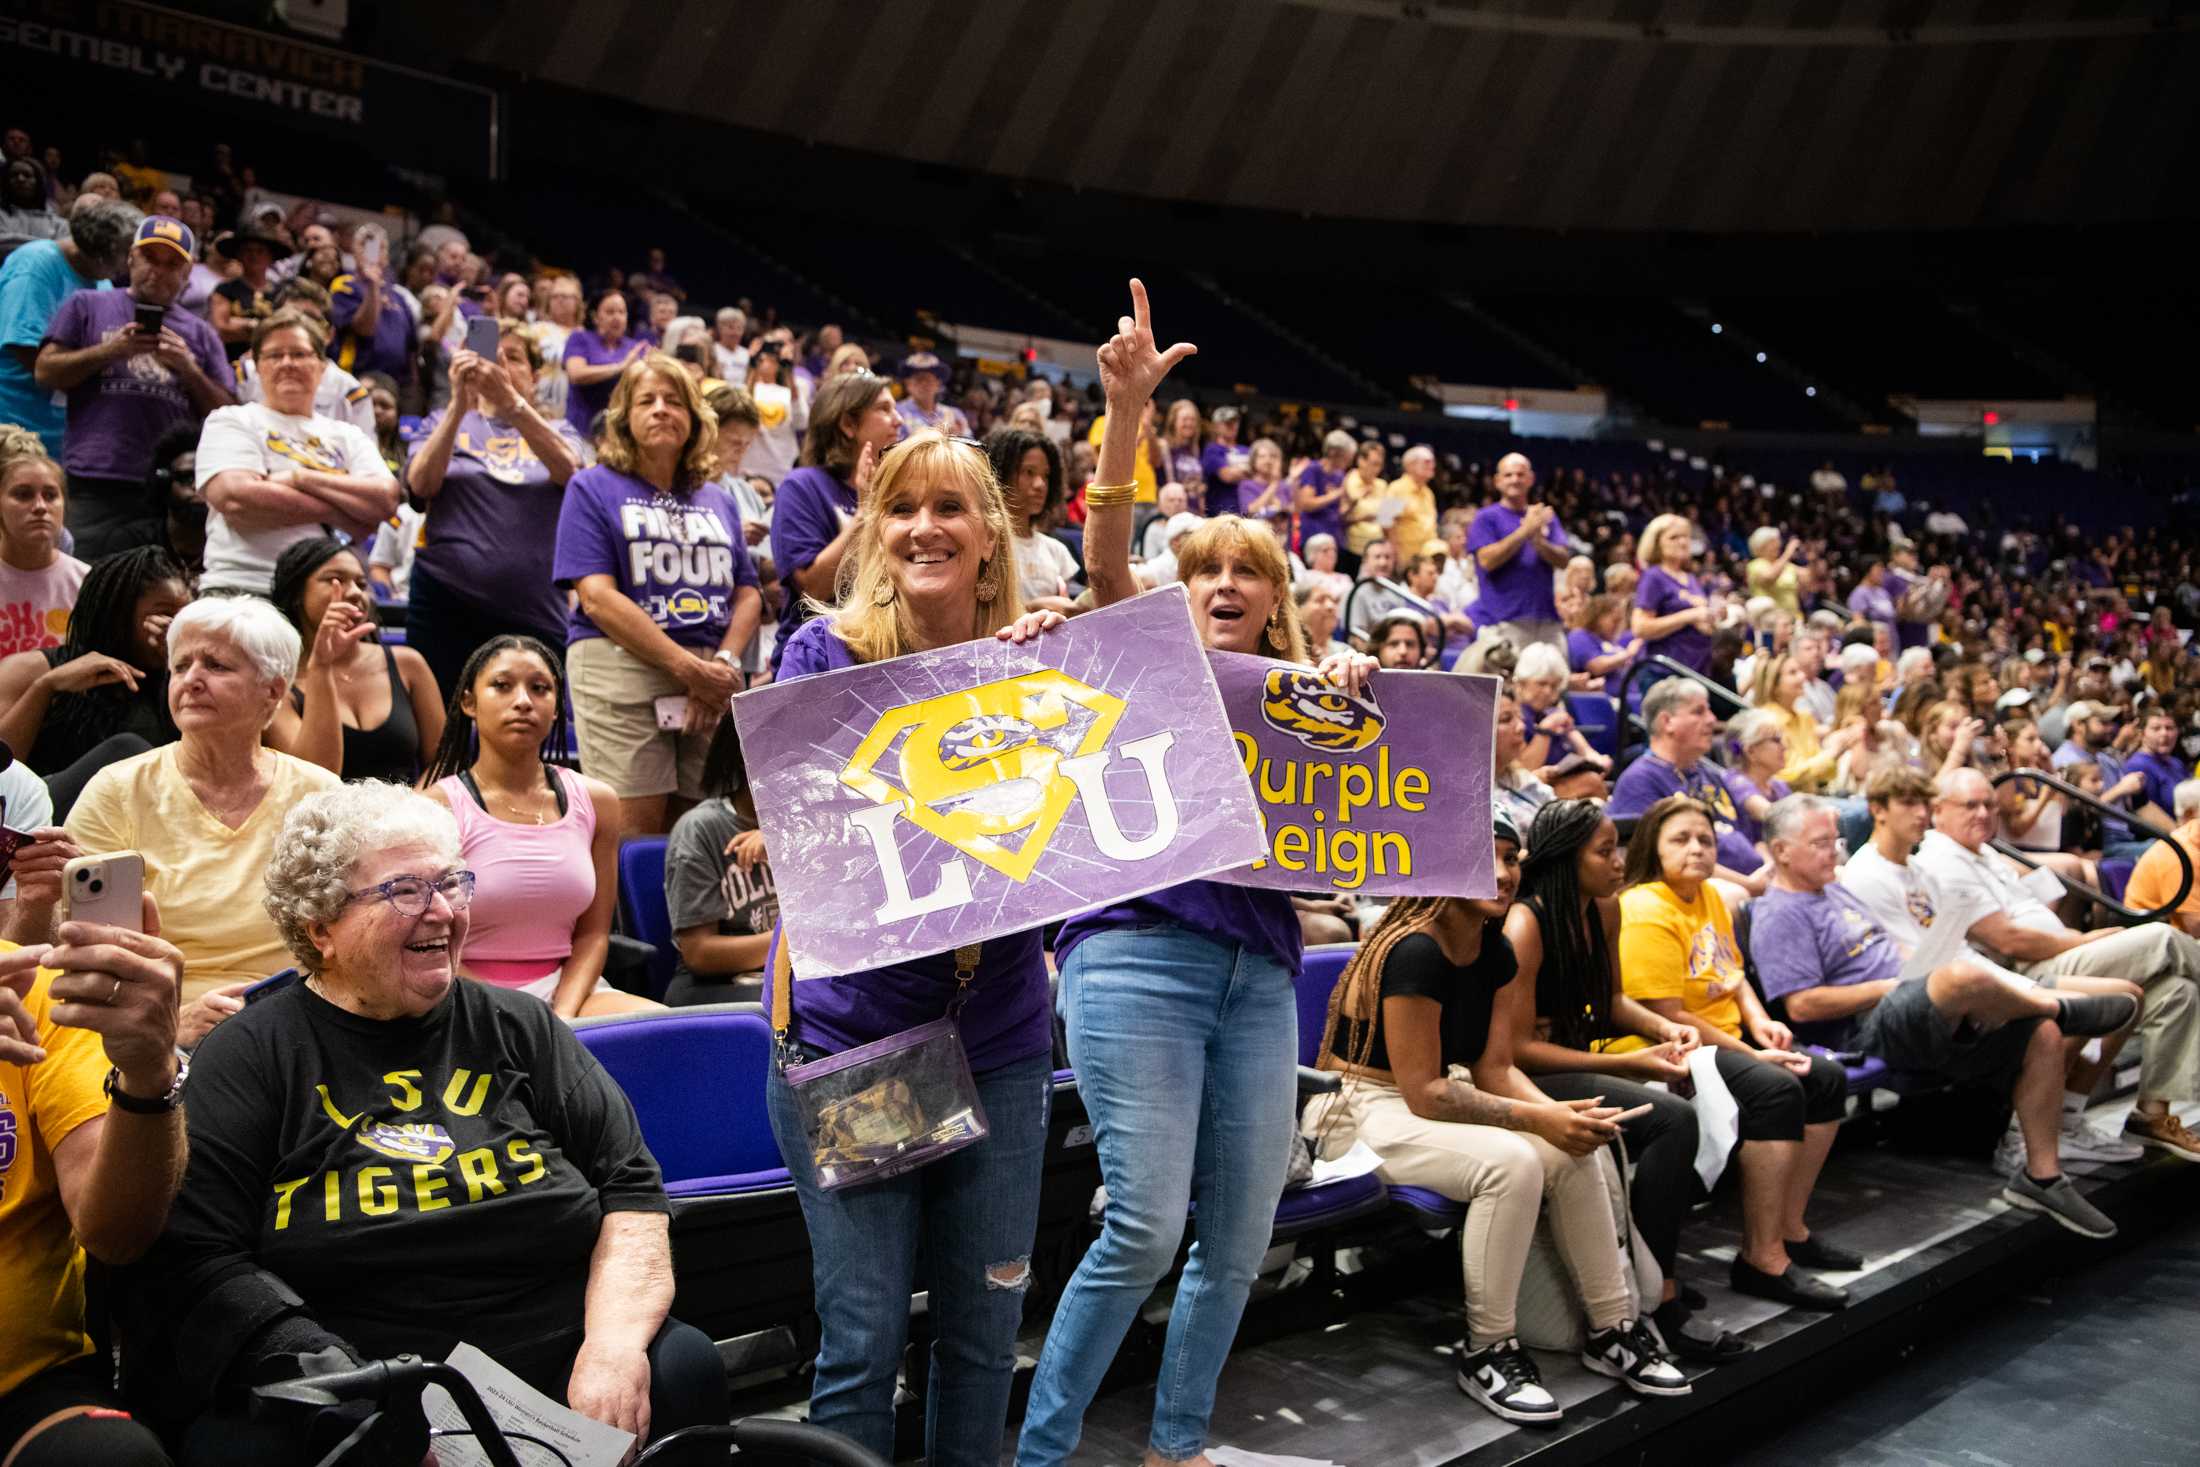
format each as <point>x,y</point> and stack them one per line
<point>1087,773</point>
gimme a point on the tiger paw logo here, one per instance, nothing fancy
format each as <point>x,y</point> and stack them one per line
<point>982,769</point>
<point>414,1142</point>
<point>1318,713</point>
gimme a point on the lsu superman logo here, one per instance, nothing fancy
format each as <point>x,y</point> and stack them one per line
<point>1318,713</point>
<point>982,769</point>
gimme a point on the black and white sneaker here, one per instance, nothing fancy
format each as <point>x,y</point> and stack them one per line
<point>1503,1379</point>
<point>1632,1354</point>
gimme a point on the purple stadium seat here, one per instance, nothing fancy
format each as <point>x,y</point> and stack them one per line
<point>642,906</point>
<point>696,1078</point>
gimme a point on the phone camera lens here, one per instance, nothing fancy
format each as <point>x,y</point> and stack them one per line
<point>84,876</point>
<point>97,887</point>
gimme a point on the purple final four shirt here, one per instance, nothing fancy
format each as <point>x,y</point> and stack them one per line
<point>680,557</point>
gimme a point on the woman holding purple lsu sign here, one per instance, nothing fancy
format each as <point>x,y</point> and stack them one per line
<point>1179,1008</point>
<point>666,594</point>
<point>933,554</point>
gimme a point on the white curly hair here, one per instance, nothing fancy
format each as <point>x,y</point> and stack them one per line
<point>309,875</point>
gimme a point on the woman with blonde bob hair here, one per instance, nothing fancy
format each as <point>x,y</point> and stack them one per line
<point>1178,1004</point>
<point>929,562</point>
<point>1674,615</point>
<point>667,594</point>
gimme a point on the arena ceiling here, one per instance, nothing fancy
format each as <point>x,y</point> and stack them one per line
<point>1695,115</point>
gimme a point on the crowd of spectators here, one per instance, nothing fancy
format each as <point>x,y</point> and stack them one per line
<point>238,439</point>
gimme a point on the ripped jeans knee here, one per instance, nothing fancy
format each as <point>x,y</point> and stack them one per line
<point>1013,1276</point>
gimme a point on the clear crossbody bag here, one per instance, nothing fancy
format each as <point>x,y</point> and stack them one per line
<point>889,1106</point>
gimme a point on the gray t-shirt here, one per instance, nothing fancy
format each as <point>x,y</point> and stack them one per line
<point>703,886</point>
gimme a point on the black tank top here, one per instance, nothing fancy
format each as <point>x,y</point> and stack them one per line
<point>391,750</point>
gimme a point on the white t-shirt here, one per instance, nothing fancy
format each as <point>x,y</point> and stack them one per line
<point>26,804</point>
<point>256,438</point>
<point>1044,566</point>
<point>394,543</point>
<point>1982,883</point>
<point>1907,900</point>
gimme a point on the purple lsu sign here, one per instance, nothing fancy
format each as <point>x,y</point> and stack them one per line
<point>1386,794</point>
<point>948,797</point>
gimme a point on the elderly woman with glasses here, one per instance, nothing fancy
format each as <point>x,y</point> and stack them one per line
<point>371,1136</point>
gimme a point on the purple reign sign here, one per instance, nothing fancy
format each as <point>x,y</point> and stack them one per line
<point>1382,795</point>
<point>948,797</point>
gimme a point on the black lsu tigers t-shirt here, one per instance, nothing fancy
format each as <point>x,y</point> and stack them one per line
<point>416,1181</point>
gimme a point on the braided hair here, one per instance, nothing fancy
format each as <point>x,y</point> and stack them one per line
<point>456,752</point>
<point>1575,981</point>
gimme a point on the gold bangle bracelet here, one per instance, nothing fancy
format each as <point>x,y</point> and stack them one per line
<point>1110,496</point>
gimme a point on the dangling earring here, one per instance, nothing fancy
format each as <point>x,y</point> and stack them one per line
<point>883,593</point>
<point>987,590</point>
<point>1278,638</point>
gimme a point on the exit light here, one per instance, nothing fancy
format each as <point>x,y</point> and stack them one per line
<point>1512,404</point>
<point>1991,417</point>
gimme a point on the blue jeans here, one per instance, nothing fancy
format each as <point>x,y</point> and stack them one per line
<point>970,1217</point>
<point>1176,1039</point>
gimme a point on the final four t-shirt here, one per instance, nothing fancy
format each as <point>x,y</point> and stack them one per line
<point>680,557</point>
<point>417,1181</point>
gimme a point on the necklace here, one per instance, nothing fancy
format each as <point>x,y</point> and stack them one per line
<point>527,811</point>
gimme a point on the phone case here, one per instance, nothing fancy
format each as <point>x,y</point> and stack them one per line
<point>107,888</point>
<point>672,712</point>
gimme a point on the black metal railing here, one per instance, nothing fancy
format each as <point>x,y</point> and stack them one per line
<point>1344,621</point>
<point>1630,723</point>
<point>2130,917</point>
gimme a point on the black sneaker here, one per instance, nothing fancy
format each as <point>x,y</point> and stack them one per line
<point>1632,1354</point>
<point>1503,1379</point>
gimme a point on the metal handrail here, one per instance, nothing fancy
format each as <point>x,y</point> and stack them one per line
<point>2128,915</point>
<point>1344,623</point>
<point>1629,720</point>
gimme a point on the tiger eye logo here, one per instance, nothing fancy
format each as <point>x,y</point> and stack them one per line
<point>1318,713</point>
<point>416,1142</point>
<point>981,769</point>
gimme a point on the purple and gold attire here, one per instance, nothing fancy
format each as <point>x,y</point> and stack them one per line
<point>680,557</point>
<point>945,418</point>
<point>1650,779</point>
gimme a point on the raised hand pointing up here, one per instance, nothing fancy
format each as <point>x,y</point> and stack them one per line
<point>1130,367</point>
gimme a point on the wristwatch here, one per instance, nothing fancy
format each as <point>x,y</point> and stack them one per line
<point>124,1100</point>
<point>729,657</point>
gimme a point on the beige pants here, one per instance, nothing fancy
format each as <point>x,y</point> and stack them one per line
<point>615,715</point>
<point>1504,1177</point>
<point>2165,963</point>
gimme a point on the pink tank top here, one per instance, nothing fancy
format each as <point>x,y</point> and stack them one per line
<point>532,883</point>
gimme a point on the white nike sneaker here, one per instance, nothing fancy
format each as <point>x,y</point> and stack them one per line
<point>2084,1141</point>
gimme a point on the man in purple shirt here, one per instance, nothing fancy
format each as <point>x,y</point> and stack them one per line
<point>1871,599</point>
<point>373,330</point>
<point>1824,960</point>
<point>1682,730</point>
<point>1223,462</point>
<point>1517,546</point>
<point>129,382</point>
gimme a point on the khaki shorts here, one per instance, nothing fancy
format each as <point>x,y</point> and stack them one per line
<point>615,717</point>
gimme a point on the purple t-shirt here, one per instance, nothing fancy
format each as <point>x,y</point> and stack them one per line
<point>2163,772</point>
<point>1744,787</point>
<point>1817,939</point>
<point>1661,593</point>
<point>1216,457</point>
<point>582,403</point>
<point>1583,646</point>
<point>388,350</point>
<point>1520,589</point>
<point>1873,603</point>
<point>1650,779</point>
<point>492,529</point>
<point>808,509</point>
<point>1257,919</point>
<point>1186,469</point>
<point>1329,519</point>
<point>1249,489</point>
<point>1010,1014</point>
<point>680,557</point>
<point>117,414</point>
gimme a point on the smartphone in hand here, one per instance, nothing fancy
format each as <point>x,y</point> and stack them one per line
<point>107,888</point>
<point>148,318</point>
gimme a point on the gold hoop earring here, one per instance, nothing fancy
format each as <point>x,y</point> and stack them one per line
<point>987,590</point>
<point>883,594</point>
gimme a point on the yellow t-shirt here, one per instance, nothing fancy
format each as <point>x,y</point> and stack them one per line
<point>207,878</point>
<point>1672,949</point>
<point>1415,525</point>
<point>1142,470</point>
<point>41,1266</point>
<point>2154,879</point>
